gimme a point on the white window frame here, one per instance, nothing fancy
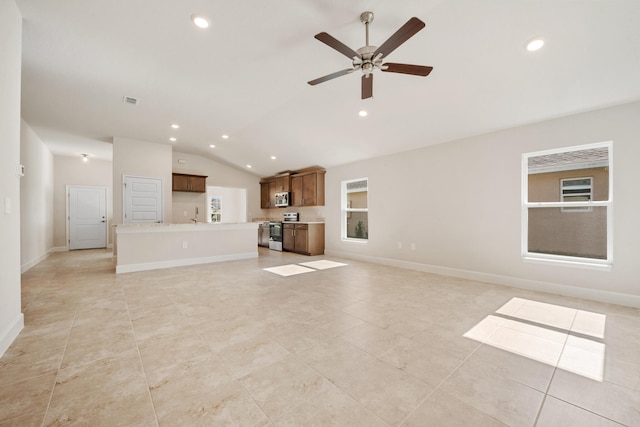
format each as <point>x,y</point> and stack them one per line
<point>593,263</point>
<point>588,191</point>
<point>346,210</point>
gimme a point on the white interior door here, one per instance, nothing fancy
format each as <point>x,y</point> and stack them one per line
<point>142,199</point>
<point>87,217</point>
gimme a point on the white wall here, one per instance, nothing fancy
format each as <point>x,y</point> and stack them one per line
<point>218,175</point>
<point>145,159</point>
<point>36,199</point>
<point>459,203</point>
<point>73,171</point>
<point>233,203</point>
<point>11,319</point>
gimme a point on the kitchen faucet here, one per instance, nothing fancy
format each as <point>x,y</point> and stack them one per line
<point>195,219</point>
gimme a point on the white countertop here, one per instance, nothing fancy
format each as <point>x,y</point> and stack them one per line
<point>199,227</point>
<point>303,222</point>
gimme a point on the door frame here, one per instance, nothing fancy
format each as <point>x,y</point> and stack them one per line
<point>68,213</point>
<point>124,195</point>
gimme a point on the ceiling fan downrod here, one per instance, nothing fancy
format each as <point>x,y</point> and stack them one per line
<point>365,62</point>
<point>366,18</point>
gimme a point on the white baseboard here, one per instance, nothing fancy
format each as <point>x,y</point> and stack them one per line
<point>10,334</point>
<point>532,285</point>
<point>60,249</point>
<point>130,268</point>
<point>30,264</point>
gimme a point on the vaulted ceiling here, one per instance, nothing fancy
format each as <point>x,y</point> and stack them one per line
<point>246,75</point>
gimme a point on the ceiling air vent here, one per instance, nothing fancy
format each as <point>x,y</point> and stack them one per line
<point>129,100</point>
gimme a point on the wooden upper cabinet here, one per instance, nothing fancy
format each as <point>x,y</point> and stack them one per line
<point>272,194</point>
<point>190,183</point>
<point>308,189</point>
<point>180,182</point>
<point>269,187</point>
<point>296,191</point>
<point>282,184</point>
<point>265,201</point>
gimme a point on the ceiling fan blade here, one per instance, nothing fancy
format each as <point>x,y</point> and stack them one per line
<point>415,70</point>
<point>367,86</point>
<point>405,32</point>
<point>330,76</point>
<point>337,45</point>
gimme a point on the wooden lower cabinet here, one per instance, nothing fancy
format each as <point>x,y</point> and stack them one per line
<point>303,238</point>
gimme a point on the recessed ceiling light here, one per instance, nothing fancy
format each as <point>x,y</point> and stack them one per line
<point>175,126</point>
<point>172,139</point>
<point>273,157</point>
<point>249,166</point>
<point>534,44</point>
<point>363,113</point>
<point>200,21</point>
<point>212,146</point>
<point>225,136</point>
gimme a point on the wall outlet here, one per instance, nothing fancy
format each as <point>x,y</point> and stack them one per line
<point>184,213</point>
<point>399,245</point>
<point>413,246</point>
<point>184,245</point>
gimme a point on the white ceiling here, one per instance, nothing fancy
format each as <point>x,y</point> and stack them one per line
<point>246,75</point>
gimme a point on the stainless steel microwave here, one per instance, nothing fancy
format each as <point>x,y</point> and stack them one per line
<point>282,199</point>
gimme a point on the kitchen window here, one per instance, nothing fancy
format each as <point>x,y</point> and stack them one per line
<point>567,205</point>
<point>355,210</point>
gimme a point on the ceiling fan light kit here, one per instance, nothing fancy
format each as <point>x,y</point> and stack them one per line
<point>369,58</point>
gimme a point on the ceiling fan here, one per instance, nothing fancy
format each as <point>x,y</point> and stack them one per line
<point>369,58</point>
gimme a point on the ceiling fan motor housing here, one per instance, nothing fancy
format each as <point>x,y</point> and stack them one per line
<point>366,17</point>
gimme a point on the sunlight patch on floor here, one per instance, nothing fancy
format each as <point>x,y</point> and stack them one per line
<point>289,270</point>
<point>303,267</point>
<point>322,264</point>
<point>555,335</point>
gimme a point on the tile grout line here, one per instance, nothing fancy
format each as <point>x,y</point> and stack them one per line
<point>555,369</point>
<point>144,372</point>
<point>344,391</point>
<point>64,351</point>
<point>436,388</point>
<point>235,378</point>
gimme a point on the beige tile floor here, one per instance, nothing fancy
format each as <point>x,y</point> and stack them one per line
<point>356,345</point>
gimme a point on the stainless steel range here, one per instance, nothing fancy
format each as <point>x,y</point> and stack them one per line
<point>275,235</point>
<point>275,230</point>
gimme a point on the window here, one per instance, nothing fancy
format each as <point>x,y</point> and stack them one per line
<point>355,211</point>
<point>215,208</point>
<point>567,205</point>
<point>576,190</point>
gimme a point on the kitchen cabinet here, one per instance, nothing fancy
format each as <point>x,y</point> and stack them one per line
<point>265,201</point>
<point>303,238</point>
<point>307,189</point>
<point>268,189</point>
<point>189,183</point>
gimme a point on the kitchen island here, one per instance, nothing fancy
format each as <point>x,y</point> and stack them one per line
<point>140,247</point>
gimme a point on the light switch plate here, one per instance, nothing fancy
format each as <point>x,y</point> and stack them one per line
<point>7,205</point>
